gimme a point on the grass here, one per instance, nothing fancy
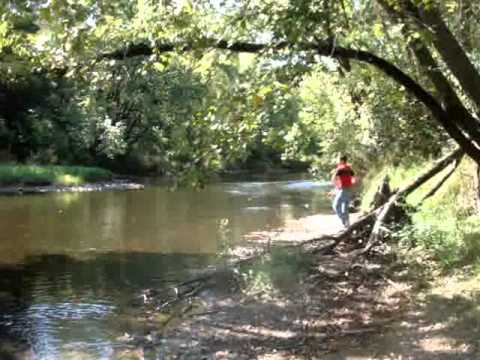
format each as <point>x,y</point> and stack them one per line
<point>399,176</point>
<point>35,175</point>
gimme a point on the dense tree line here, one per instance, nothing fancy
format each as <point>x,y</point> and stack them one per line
<point>196,87</point>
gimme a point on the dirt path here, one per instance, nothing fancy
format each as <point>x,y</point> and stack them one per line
<point>441,322</point>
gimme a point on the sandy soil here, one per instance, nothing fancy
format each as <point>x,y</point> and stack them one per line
<point>303,229</point>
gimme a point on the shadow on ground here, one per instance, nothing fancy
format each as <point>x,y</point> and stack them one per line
<point>439,328</point>
<point>328,311</point>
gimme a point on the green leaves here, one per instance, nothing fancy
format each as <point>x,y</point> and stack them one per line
<point>197,110</point>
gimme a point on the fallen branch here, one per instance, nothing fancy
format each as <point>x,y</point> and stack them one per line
<point>427,175</point>
<point>377,218</point>
<point>192,287</point>
<point>328,243</point>
<point>437,187</point>
<point>211,312</point>
<point>181,297</point>
<point>377,232</point>
<point>319,336</point>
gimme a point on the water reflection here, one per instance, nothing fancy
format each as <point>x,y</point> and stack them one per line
<point>72,265</point>
<point>56,304</point>
<point>154,220</point>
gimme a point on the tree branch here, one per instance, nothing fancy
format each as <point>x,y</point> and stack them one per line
<point>382,215</point>
<point>323,48</point>
<point>437,187</point>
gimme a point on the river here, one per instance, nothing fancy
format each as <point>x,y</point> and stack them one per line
<point>72,264</point>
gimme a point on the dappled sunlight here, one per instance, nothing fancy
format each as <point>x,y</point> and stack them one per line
<point>256,331</point>
<point>436,326</point>
<point>443,344</point>
<point>308,317</point>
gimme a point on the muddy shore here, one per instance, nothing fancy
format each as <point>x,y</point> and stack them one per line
<point>118,185</point>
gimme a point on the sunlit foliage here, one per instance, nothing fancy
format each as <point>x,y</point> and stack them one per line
<point>198,112</point>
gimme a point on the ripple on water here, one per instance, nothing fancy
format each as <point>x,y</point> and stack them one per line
<point>257,208</point>
<point>46,326</point>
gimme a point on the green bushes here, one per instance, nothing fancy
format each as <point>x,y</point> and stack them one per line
<point>48,175</point>
<point>450,241</point>
<point>445,228</point>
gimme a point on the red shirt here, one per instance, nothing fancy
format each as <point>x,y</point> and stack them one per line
<point>343,176</point>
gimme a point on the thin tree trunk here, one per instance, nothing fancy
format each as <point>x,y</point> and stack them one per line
<point>429,66</point>
<point>452,103</point>
<point>477,188</point>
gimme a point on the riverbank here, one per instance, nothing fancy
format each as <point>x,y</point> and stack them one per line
<point>292,304</point>
<point>36,179</point>
<point>323,302</point>
<point>288,306</point>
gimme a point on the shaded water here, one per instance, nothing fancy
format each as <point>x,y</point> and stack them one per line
<point>72,264</point>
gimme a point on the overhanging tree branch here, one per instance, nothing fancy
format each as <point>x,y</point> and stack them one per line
<point>324,48</point>
<point>143,49</point>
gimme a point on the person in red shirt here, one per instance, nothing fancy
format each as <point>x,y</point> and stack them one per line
<point>343,179</point>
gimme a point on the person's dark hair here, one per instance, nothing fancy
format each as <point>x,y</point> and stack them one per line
<point>343,158</point>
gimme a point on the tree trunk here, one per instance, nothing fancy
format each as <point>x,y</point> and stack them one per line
<point>450,50</point>
<point>451,103</point>
<point>477,188</point>
<point>382,194</point>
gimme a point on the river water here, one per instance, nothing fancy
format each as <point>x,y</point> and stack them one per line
<point>72,264</point>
